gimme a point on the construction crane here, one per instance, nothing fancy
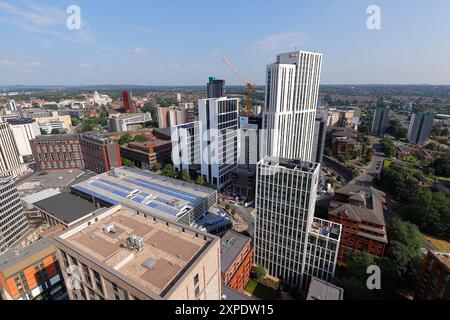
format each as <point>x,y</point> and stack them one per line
<point>249,87</point>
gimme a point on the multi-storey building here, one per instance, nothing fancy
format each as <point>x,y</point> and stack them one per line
<point>219,141</point>
<point>123,254</point>
<point>13,223</point>
<point>320,132</point>
<point>420,127</point>
<point>236,254</point>
<point>100,154</point>
<point>56,152</point>
<point>360,211</point>
<point>292,86</point>
<point>186,147</point>
<point>172,116</point>
<point>434,281</point>
<point>215,88</point>
<point>289,242</point>
<point>128,102</point>
<point>250,143</point>
<point>24,130</point>
<point>32,273</point>
<point>127,122</point>
<point>10,164</point>
<point>380,122</point>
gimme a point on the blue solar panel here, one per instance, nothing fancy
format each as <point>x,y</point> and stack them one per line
<point>138,199</point>
<point>164,201</point>
<point>109,189</point>
<point>116,185</point>
<point>97,195</point>
<point>169,191</point>
<point>162,208</point>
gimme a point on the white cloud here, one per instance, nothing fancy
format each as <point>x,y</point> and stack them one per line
<point>142,52</point>
<point>44,20</point>
<point>281,41</point>
<point>16,64</point>
<point>87,65</point>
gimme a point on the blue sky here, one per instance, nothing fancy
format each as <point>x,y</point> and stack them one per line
<point>178,42</point>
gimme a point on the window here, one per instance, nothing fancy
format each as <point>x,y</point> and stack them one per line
<point>196,280</point>
<point>98,281</point>
<point>197,292</point>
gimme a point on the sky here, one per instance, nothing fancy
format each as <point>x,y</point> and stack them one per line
<point>179,42</point>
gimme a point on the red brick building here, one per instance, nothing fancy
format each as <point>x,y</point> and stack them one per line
<point>236,260</point>
<point>341,141</point>
<point>100,153</point>
<point>434,281</point>
<point>57,152</point>
<point>360,211</point>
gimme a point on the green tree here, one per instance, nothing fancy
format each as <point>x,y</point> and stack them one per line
<point>169,171</point>
<point>75,121</point>
<point>128,163</point>
<point>259,272</point>
<point>227,207</point>
<point>157,166</point>
<point>200,181</point>
<point>140,138</point>
<point>442,167</point>
<point>388,147</point>
<point>126,138</point>
<point>55,131</point>
<point>184,175</point>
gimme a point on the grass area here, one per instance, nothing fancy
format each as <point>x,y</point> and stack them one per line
<point>261,291</point>
<point>412,158</point>
<point>442,245</point>
<point>387,163</point>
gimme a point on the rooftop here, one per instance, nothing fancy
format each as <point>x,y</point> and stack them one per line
<point>290,164</point>
<point>66,207</point>
<point>156,194</point>
<point>232,295</point>
<point>166,251</point>
<point>322,290</point>
<point>326,228</point>
<point>11,258</point>
<point>232,244</point>
<point>443,257</point>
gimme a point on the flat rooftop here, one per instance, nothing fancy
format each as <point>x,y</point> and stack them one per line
<point>325,228</point>
<point>231,246</point>
<point>152,193</point>
<point>10,258</point>
<point>66,207</point>
<point>290,164</point>
<point>165,253</point>
<point>322,290</point>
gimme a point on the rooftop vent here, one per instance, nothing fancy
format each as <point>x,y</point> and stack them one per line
<point>110,229</point>
<point>149,263</point>
<point>136,242</point>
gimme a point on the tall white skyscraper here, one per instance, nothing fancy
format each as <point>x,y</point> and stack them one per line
<point>13,223</point>
<point>10,164</point>
<point>186,146</point>
<point>292,88</point>
<point>289,242</point>
<point>219,141</point>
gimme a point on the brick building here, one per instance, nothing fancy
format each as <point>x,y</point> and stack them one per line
<point>56,152</point>
<point>100,153</point>
<point>434,281</point>
<point>32,273</point>
<point>236,252</point>
<point>341,141</point>
<point>360,211</point>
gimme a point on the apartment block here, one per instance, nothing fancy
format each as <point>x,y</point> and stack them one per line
<point>420,127</point>
<point>186,153</point>
<point>380,122</point>
<point>100,154</point>
<point>124,255</point>
<point>434,281</point>
<point>56,152</point>
<point>236,254</point>
<point>360,211</point>
<point>32,273</point>
<point>10,164</point>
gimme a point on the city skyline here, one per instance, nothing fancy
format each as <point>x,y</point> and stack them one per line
<point>133,49</point>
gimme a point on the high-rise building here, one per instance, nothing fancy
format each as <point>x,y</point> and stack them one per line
<point>12,106</point>
<point>420,127</point>
<point>186,146</point>
<point>13,223</point>
<point>320,133</point>
<point>128,102</point>
<point>289,242</point>
<point>250,141</point>
<point>215,88</point>
<point>124,254</point>
<point>10,164</point>
<point>219,142</point>
<point>380,122</point>
<point>292,87</point>
<point>24,130</point>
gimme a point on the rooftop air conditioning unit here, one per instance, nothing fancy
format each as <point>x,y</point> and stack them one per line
<point>110,229</point>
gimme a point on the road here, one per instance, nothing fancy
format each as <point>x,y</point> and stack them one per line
<point>375,166</point>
